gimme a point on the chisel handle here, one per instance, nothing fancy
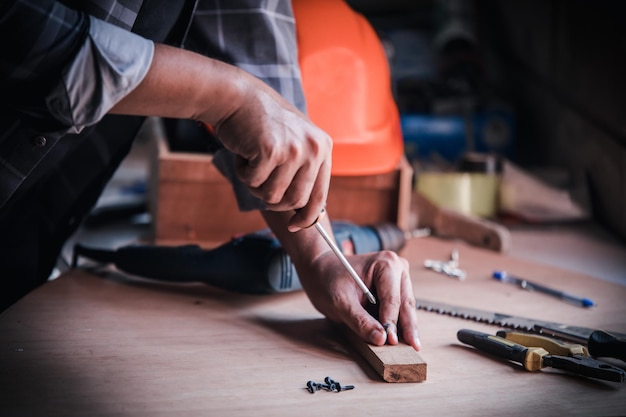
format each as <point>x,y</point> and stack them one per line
<point>603,344</point>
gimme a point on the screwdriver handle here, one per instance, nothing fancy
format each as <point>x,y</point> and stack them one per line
<point>603,344</point>
<point>531,358</point>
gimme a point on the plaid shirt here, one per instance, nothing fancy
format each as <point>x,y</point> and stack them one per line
<point>57,149</point>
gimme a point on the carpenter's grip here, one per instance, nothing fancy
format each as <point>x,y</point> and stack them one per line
<point>603,344</point>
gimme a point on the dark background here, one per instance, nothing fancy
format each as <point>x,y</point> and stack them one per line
<point>559,64</point>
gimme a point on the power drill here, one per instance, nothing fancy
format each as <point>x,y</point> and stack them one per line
<point>254,263</point>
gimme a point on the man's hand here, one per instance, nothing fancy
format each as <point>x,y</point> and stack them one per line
<point>281,155</point>
<point>335,294</point>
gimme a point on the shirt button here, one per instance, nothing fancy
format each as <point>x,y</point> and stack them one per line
<point>40,141</point>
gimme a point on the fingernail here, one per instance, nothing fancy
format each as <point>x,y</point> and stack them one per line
<point>416,336</point>
<point>378,337</point>
<point>392,335</point>
<point>294,229</point>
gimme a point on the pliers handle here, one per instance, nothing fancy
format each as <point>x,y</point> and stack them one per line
<point>553,346</point>
<point>534,358</point>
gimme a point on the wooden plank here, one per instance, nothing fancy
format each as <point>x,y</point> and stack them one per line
<point>394,363</point>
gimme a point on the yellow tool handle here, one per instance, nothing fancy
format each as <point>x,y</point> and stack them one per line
<point>555,347</point>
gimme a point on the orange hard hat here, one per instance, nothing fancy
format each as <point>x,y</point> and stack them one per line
<point>347,86</point>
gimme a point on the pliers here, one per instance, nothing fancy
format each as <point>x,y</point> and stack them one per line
<point>536,352</point>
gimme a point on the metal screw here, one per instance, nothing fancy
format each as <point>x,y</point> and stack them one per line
<point>344,387</point>
<point>330,385</point>
<point>313,386</point>
<point>450,267</point>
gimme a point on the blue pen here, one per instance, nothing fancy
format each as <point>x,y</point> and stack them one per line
<point>532,286</point>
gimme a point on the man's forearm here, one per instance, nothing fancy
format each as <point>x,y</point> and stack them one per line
<point>304,246</point>
<point>183,84</point>
<point>280,155</point>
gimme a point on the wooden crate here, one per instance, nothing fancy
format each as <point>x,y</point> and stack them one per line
<point>191,202</point>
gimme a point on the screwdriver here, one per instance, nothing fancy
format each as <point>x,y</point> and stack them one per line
<point>333,246</point>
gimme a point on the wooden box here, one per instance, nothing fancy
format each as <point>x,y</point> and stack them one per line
<point>191,202</point>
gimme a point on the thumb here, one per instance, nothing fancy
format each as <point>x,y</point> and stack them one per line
<point>367,327</point>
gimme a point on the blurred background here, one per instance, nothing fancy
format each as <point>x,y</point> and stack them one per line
<point>525,98</point>
<point>540,82</point>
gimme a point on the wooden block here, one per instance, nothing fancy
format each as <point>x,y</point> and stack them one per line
<point>394,363</point>
<point>191,202</point>
<point>371,199</point>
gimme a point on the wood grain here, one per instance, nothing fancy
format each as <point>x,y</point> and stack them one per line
<point>397,363</point>
<point>85,345</point>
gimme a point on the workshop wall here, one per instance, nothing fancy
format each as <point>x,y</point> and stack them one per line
<point>560,65</point>
<point>563,63</point>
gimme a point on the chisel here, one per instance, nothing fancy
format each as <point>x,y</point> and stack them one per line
<point>333,246</point>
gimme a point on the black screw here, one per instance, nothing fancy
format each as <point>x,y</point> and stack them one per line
<point>330,385</point>
<point>344,387</point>
<point>336,386</point>
<point>313,386</point>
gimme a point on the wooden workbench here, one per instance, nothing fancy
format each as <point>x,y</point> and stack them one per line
<point>86,345</point>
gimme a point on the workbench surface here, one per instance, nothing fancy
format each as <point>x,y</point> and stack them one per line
<point>88,345</point>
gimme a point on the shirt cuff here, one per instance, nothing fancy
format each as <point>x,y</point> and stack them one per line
<point>224,161</point>
<point>109,65</point>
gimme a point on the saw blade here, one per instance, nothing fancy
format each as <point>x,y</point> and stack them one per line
<point>572,333</point>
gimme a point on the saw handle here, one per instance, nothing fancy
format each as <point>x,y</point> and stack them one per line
<point>603,344</point>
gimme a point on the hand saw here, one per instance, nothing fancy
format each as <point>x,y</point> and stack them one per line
<point>600,343</point>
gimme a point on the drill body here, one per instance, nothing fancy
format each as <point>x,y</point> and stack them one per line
<point>254,263</point>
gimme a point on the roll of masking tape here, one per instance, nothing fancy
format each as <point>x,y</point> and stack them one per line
<point>474,192</point>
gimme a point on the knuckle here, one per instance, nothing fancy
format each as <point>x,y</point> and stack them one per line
<point>386,259</point>
<point>360,322</point>
<point>321,143</point>
<point>394,302</point>
<point>408,303</point>
<point>326,139</point>
<point>291,202</point>
<point>271,196</point>
<point>297,199</point>
<point>295,151</point>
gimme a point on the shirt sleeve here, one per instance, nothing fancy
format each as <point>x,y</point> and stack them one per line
<point>60,71</point>
<point>108,66</point>
<point>63,70</point>
<point>267,49</point>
